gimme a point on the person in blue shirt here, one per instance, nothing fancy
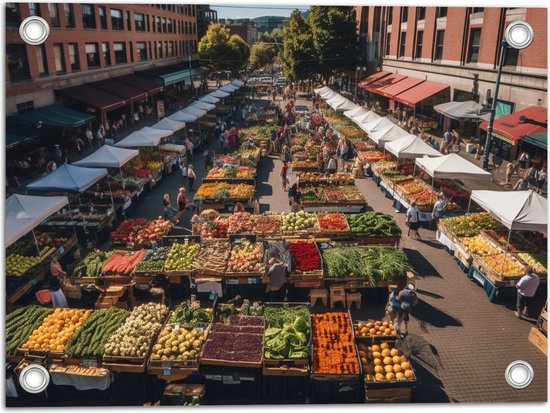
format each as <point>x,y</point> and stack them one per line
<point>439,209</point>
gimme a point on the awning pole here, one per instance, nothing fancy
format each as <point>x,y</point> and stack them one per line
<point>469,205</point>
<point>36,243</point>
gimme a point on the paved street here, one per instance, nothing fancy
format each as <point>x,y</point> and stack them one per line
<point>461,342</point>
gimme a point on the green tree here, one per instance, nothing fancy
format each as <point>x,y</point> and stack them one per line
<point>334,36</point>
<point>222,51</point>
<point>262,54</point>
<point>265,37</point>
<point>277,35</point>
<point>299,55</point>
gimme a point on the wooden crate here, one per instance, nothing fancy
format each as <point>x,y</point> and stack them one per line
<point>391,395</point>
<point>125,364</point>
<point>542,322</point>
<point>539,340</point>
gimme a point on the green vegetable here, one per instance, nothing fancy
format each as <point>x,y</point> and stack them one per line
<point>190,313</point>
<point>373,224</point>
<point>21,323</point>
<point>91,264</point>
<point>287,334</point>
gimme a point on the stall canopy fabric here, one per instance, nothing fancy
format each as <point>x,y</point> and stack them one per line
<point>462,111</point>
<point>367,121</point>
<point>517,210</point>
<point>94,97</point>
<point>237,83</point>
<point>539,139</point>
<point>203,105</point>
<point>512,129</point>
<point>198,113</point>
<point>382,128</point>
<point>372,78</point>
<point>169,124</point>
<point>420,92</point>
<point>340,103</point>
<point>357,112</point>
<point>52,116</point>
<point>410,147</point>
<point>68,178</point>
<point>393,134</point>
<point>398,87</point>
<point>328,94</point>
<point>182,117</point>
<point>219,94</point>
<point>209,99</point>
<point>229,88</point>
<point>386,81</point>
<point>321,89</point>
<point>145,137</point>
<point>108,157</point>
<point>452,166</point>
<point>25,212</point>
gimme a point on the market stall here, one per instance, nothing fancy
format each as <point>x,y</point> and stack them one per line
<point>411,147</point>
<point>28,250</point>
<point>340,103</point>
<point>209,99</point>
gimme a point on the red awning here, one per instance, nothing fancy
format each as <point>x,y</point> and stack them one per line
<point>93,97</point>
<point>375,86</point>
<point>420,92</point>
<point>511,128</point>
<point>125,91</point>
<point>139,82</point>
<point>372,78</point>
<point>399,87</point>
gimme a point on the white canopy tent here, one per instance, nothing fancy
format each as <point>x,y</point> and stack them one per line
<point>462,111</point>
<point>237,83</point>
<point>68,178</point>
<point>516,210</point>
<point>209,99</point>
<point>198,113</point>
<point>369,124</point>
<point>394,134</point>
<point>145,137</point>
<point>328,94</point>
<point>229,88</point>
<point>219,94</point>
<point>452,166</point>
<point>182,117</point>
<point>341,104</point>
<point>25,212</point>
<point>410,147</point>
<point>356,112</point>
<point>108,157</point>
<point>321,89</point>
<point>365,118</point>
<point>169,124</point>
<point>203,105</point>
<point>383,128</point>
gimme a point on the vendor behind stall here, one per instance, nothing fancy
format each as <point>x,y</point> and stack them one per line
<point>276,287</point>
<point>58,298</point>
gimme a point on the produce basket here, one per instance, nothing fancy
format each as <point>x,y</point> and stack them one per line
<point>367,331</point>
<point>287,366</point>
<point>253,273</point>
<point>269,225</point>
<point>513,271</point>
<point>333,225</point>
<point>176,243</point>
<point>304,276</point>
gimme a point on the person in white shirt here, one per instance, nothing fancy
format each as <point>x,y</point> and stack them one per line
<point>191,177</point>
<point>526,289</point>
<point>413,220</point>
<point>89,137</point>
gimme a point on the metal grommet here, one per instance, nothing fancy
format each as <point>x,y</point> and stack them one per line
<point>34,30</point>
<point>34,378</point>
<point>519,34</point>
<point>519,374</point>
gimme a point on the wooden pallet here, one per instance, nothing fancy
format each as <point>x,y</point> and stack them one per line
<point>228,363</point>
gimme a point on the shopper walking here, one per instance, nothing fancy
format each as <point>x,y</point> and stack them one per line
<point>56,270</point>
<point>541,180</point>
<point>191,177</point>
<point>276,287</point>
<point>284,177</point>
<point>439,209</point>
<point>89,137</point>
<point>526,289</point>
<point>332,165</point>
<point>168,210</point>
<point>509,172</point>
<point>189,149</point>
<point>183,167</point>
<point>413,220</point>
<point>407,300</point>
<point>392,307</point>
<point>181,202</point>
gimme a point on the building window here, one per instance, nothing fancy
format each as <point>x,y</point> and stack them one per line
<point>92,54</point>
<point>159,50</point>
<point>441,12</point>
<point>473,49</point>
<point>403,40</point>
<point>478,9</point>
<point>120,53</point>
<point>404,14</point>
<point>419,40</point>
<point>25,107</point>
<point>164,25</point>
<point>103,18</point>
<point>41,60</point>
<point>18,65</point>
<point>54,15</point>
<point>170,49</point>
<point>88,16</point>
<point>388,44</point>
<point>59,58</point>
<point>13,18</point>
<point>139,21</point>
<point>116,19</point>
<point>141,51</point>
<point>73,57</point>
<point>106,54</point>
<point>34,9</point>
<point>148,25</point>
<point>128,22</point>
<point>169,25</point>
<point>420,13</point>
<point>186,28</point>
<point>390,15</point>
<point>194,28</point>
<point>511,58</point>
<point>69,14</point>
<point>439,39</point>
<point>158,24</point>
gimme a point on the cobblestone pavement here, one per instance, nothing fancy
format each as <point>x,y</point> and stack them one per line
<point>461,343</point>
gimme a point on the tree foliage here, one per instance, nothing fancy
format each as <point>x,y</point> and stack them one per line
<point>299,55</point>
<point>222,51</point>
<point>262,54</point>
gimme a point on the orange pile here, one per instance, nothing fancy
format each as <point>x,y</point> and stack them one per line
<point>56,329</point>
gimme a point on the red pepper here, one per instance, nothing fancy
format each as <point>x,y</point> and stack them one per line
<point>305,256</point>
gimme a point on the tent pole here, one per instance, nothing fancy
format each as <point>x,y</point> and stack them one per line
<point>36,243</point>
<point>508,242</point>
<point>469,205</point>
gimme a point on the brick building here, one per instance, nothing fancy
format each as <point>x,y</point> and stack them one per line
<point>205,16</point>
<point>93,53</point>
<point>458,46</point>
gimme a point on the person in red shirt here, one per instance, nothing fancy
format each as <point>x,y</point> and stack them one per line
<point>182,203</point>
<point>284,178</point>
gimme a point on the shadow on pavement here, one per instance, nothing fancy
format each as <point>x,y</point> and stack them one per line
<point>428,314</point>
<point>429,294</point>
<point>421,264</point>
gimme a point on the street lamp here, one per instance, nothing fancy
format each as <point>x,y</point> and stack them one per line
<point>357,70</point>
<point>518,35</point>
<point>191,85</point>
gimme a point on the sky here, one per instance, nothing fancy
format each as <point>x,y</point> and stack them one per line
<point>250,11</point>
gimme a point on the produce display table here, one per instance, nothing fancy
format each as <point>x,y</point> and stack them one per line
<point>229,383</point>
<point>493,291</point>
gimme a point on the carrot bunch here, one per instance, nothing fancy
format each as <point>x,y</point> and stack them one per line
<point>334,349</point>
<point>123,263</point>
